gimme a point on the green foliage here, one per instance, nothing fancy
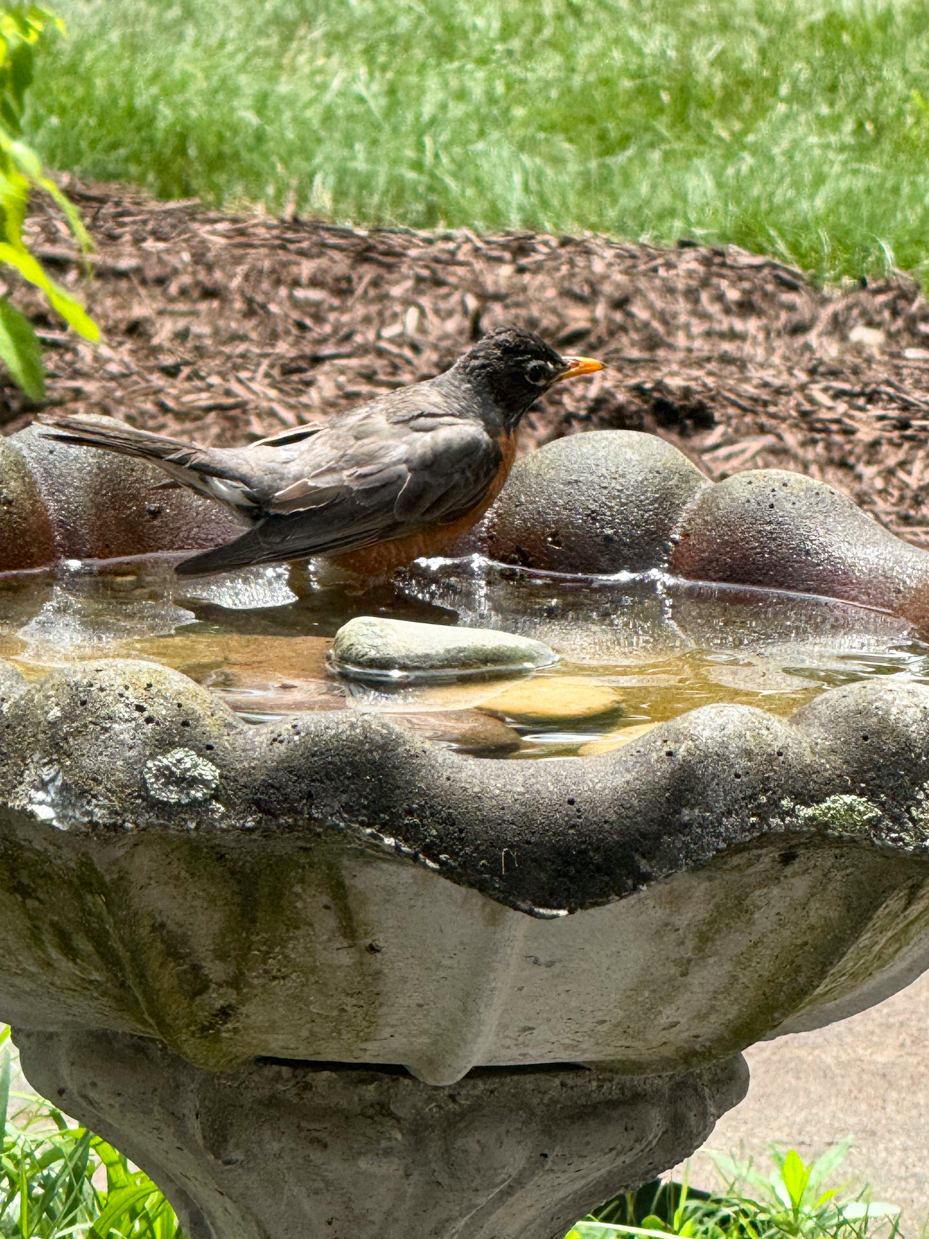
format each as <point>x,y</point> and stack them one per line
<point>21,28</point>
<point>790,1203</point>
<point>48,1174</point>
<point>20,350</point>
<point>791,128</point>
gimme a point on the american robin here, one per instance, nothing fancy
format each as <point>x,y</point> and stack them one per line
<point>392,480</point>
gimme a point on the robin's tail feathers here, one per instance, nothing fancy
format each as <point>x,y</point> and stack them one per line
<point>203,469</point>
<point>127,440</point>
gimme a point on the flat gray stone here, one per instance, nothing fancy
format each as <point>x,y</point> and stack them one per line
<point>373,648</point>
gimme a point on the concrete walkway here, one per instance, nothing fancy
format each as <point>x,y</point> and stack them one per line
<point>868,1078</point>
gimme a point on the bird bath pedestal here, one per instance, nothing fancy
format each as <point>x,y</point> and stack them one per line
<point>320,977</point>
<point>307,1149</point>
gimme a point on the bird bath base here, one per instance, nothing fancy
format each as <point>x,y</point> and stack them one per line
<point>278,1150</point>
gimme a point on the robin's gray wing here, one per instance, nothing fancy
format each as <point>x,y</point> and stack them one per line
<point>379,488</point>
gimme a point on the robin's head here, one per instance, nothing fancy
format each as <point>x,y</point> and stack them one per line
<point>515,367</point>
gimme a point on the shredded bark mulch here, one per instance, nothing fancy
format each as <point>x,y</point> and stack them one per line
<point>224,329</point>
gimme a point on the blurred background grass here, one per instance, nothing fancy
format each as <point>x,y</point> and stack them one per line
<point>788,126</point>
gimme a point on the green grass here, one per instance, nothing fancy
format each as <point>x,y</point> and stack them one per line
<point>798,127</point>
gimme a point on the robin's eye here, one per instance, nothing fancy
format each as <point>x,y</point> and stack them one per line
<point>539,373</point>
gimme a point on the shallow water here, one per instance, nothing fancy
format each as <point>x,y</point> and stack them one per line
<point>633,650</point>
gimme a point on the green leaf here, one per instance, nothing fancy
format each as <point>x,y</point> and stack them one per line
<point>21,61</point>
<point>70,310</point>
<point>74,314</point>
<point>828,1163</point>
<point>21,351</point>
<point>27,159</point>
<point>118,1205</point>
<point>117,1176</point>
<point>70,210</point>
<point>795,1176</point>
<point>14,195</point>
<point>653,1222</point>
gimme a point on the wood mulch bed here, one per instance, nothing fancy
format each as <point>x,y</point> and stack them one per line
<point>224,328</point>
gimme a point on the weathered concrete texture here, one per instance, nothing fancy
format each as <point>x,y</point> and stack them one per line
<point>370,647</point>
<point>617,500</point>
<point>607,501</point>
<point>275,1151</point>
<point>786,531</point>
<point>12,685</point>
<point>281,890</point>
<point>26,538</point>
<point>77,503</point>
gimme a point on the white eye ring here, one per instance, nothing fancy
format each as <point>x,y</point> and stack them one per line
<point>538,373</point>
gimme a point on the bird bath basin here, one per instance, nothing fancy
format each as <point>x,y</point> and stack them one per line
<point>633,649</point>
<point>321,970</point>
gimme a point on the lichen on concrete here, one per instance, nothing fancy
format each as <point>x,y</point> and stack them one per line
<point>842,814</point>
<point>180,777</point>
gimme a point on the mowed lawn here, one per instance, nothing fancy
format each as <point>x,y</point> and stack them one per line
<point>793,127</point>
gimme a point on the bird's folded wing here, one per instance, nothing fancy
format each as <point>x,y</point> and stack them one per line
<point>381,490</point>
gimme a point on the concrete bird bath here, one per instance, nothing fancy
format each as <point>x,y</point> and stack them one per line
<point>322,976</point>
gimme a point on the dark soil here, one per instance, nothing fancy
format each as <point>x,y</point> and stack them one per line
<point>227,328</point>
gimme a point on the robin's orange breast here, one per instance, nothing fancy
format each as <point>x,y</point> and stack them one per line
<point>383,557</point>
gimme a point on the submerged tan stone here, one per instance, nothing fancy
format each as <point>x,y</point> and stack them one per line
<point>557,698</point>
<point>240,660</point>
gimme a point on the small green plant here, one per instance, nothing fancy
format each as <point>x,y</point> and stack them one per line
<point>790,1203</point>
<point>48,1170</point>
<point>21,28</point>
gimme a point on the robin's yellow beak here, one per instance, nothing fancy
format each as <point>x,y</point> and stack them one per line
<point>576,366</point>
